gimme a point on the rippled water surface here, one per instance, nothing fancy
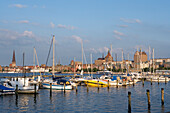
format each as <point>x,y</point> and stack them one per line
<point>94,101</point>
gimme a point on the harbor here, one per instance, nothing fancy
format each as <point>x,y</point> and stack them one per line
<point>90,56</point>
<point>112,99</point>
<point>84,98</point>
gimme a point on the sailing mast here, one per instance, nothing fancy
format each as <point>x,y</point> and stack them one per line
<point>24,69</point>
<point>53,55</point>
<point>111,56</point>
<point>122,61</point>
<point>74,64</point>
<point>82,58</point>
<point>149,59</point>
<point>91,67</point>
<point>153,62</point>
<point>39,77</point>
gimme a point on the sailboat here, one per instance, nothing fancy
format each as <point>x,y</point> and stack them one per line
<point>58,83</point>
<point>23,84</point>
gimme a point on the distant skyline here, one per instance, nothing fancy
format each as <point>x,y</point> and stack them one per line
<point>126,25</point>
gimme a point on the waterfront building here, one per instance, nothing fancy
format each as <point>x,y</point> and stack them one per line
<point>161,62</point>
<point>140,60</point>
<point>108,60</point>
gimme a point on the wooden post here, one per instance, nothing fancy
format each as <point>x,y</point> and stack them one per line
<point>98,84</point>
<point>117,83</point>
<point>108,84</point>
<point>162,96</point>
<point>50,89</point>
<point>143,81</point>
<point>87,87</point>
<point>35,88</point>
<point>64,87</point>
<point>76,89</point>
<point>129,102</point>
<point>16,90</point>
<point>133,82</point>
<point>148,95</point>
<point>158,81</point>
<point>151,81</point>
<point>165,80</point>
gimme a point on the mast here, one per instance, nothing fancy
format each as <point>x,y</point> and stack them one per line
<point>137,58</point>
<point>82,56</point>
<point>91,66</point>
<point>24,69</point>
<point>149,59</point>
<point>122,61</point>
<point>128,63</point>
<point>141,63</point>
<point>111,56</point>
<point>34,62</point>
<point>74,64</point>
<point>153,62</point>
<point>53,55</point>
<point>39,77</point>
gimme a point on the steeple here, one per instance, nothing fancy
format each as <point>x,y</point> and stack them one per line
<point>13,58</point>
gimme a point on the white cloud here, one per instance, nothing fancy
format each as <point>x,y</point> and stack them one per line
<point>130,20</point>
<point>52,24</point>
<point>99,50</point>
<point>18,5</point>
<point>77,38</point>
<point>66,27</point>
<point>118,33</point>
<point>28,34</point>
<point>24,21</point>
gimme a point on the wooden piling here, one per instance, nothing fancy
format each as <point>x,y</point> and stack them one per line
<point>165,80</point>
<point>148,95</point>
<point>133,82</point>
<point>98,84</point>
<point>87,87</point>
<point>50,89</point>
<point>129,102</point>
<point>76,89</point>
<point>143,81</point>
<point>35,88</point>
<point>162,96</point>
<point>158,81</point>
<point>16,90</point>
<point>151,81</point>
<point>117,83</point>
<point>64,87</point>
<point>108,84</point>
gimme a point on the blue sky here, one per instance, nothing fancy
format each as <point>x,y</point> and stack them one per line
<point>126,24</point>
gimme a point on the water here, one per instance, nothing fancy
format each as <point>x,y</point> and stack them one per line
<point>93,101</point>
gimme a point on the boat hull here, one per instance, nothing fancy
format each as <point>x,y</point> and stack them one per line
<point>96,83</point>
<point>56,87</point>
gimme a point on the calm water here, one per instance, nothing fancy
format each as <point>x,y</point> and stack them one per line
<point>94,101</point>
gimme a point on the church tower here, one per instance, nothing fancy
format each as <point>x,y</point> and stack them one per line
<point>13,60</point>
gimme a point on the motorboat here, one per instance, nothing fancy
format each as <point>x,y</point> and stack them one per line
<point>4,89</point>
<point>22,85</point>
<point>157,79</point>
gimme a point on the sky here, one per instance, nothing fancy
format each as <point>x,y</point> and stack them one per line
<point>125,24</point>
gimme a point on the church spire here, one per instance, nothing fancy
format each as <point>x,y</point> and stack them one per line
<point>13,58</point>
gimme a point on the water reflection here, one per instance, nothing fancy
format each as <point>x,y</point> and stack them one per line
<point>103,100</point>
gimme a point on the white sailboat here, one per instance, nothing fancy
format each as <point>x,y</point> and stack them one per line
<point>58,84</point>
